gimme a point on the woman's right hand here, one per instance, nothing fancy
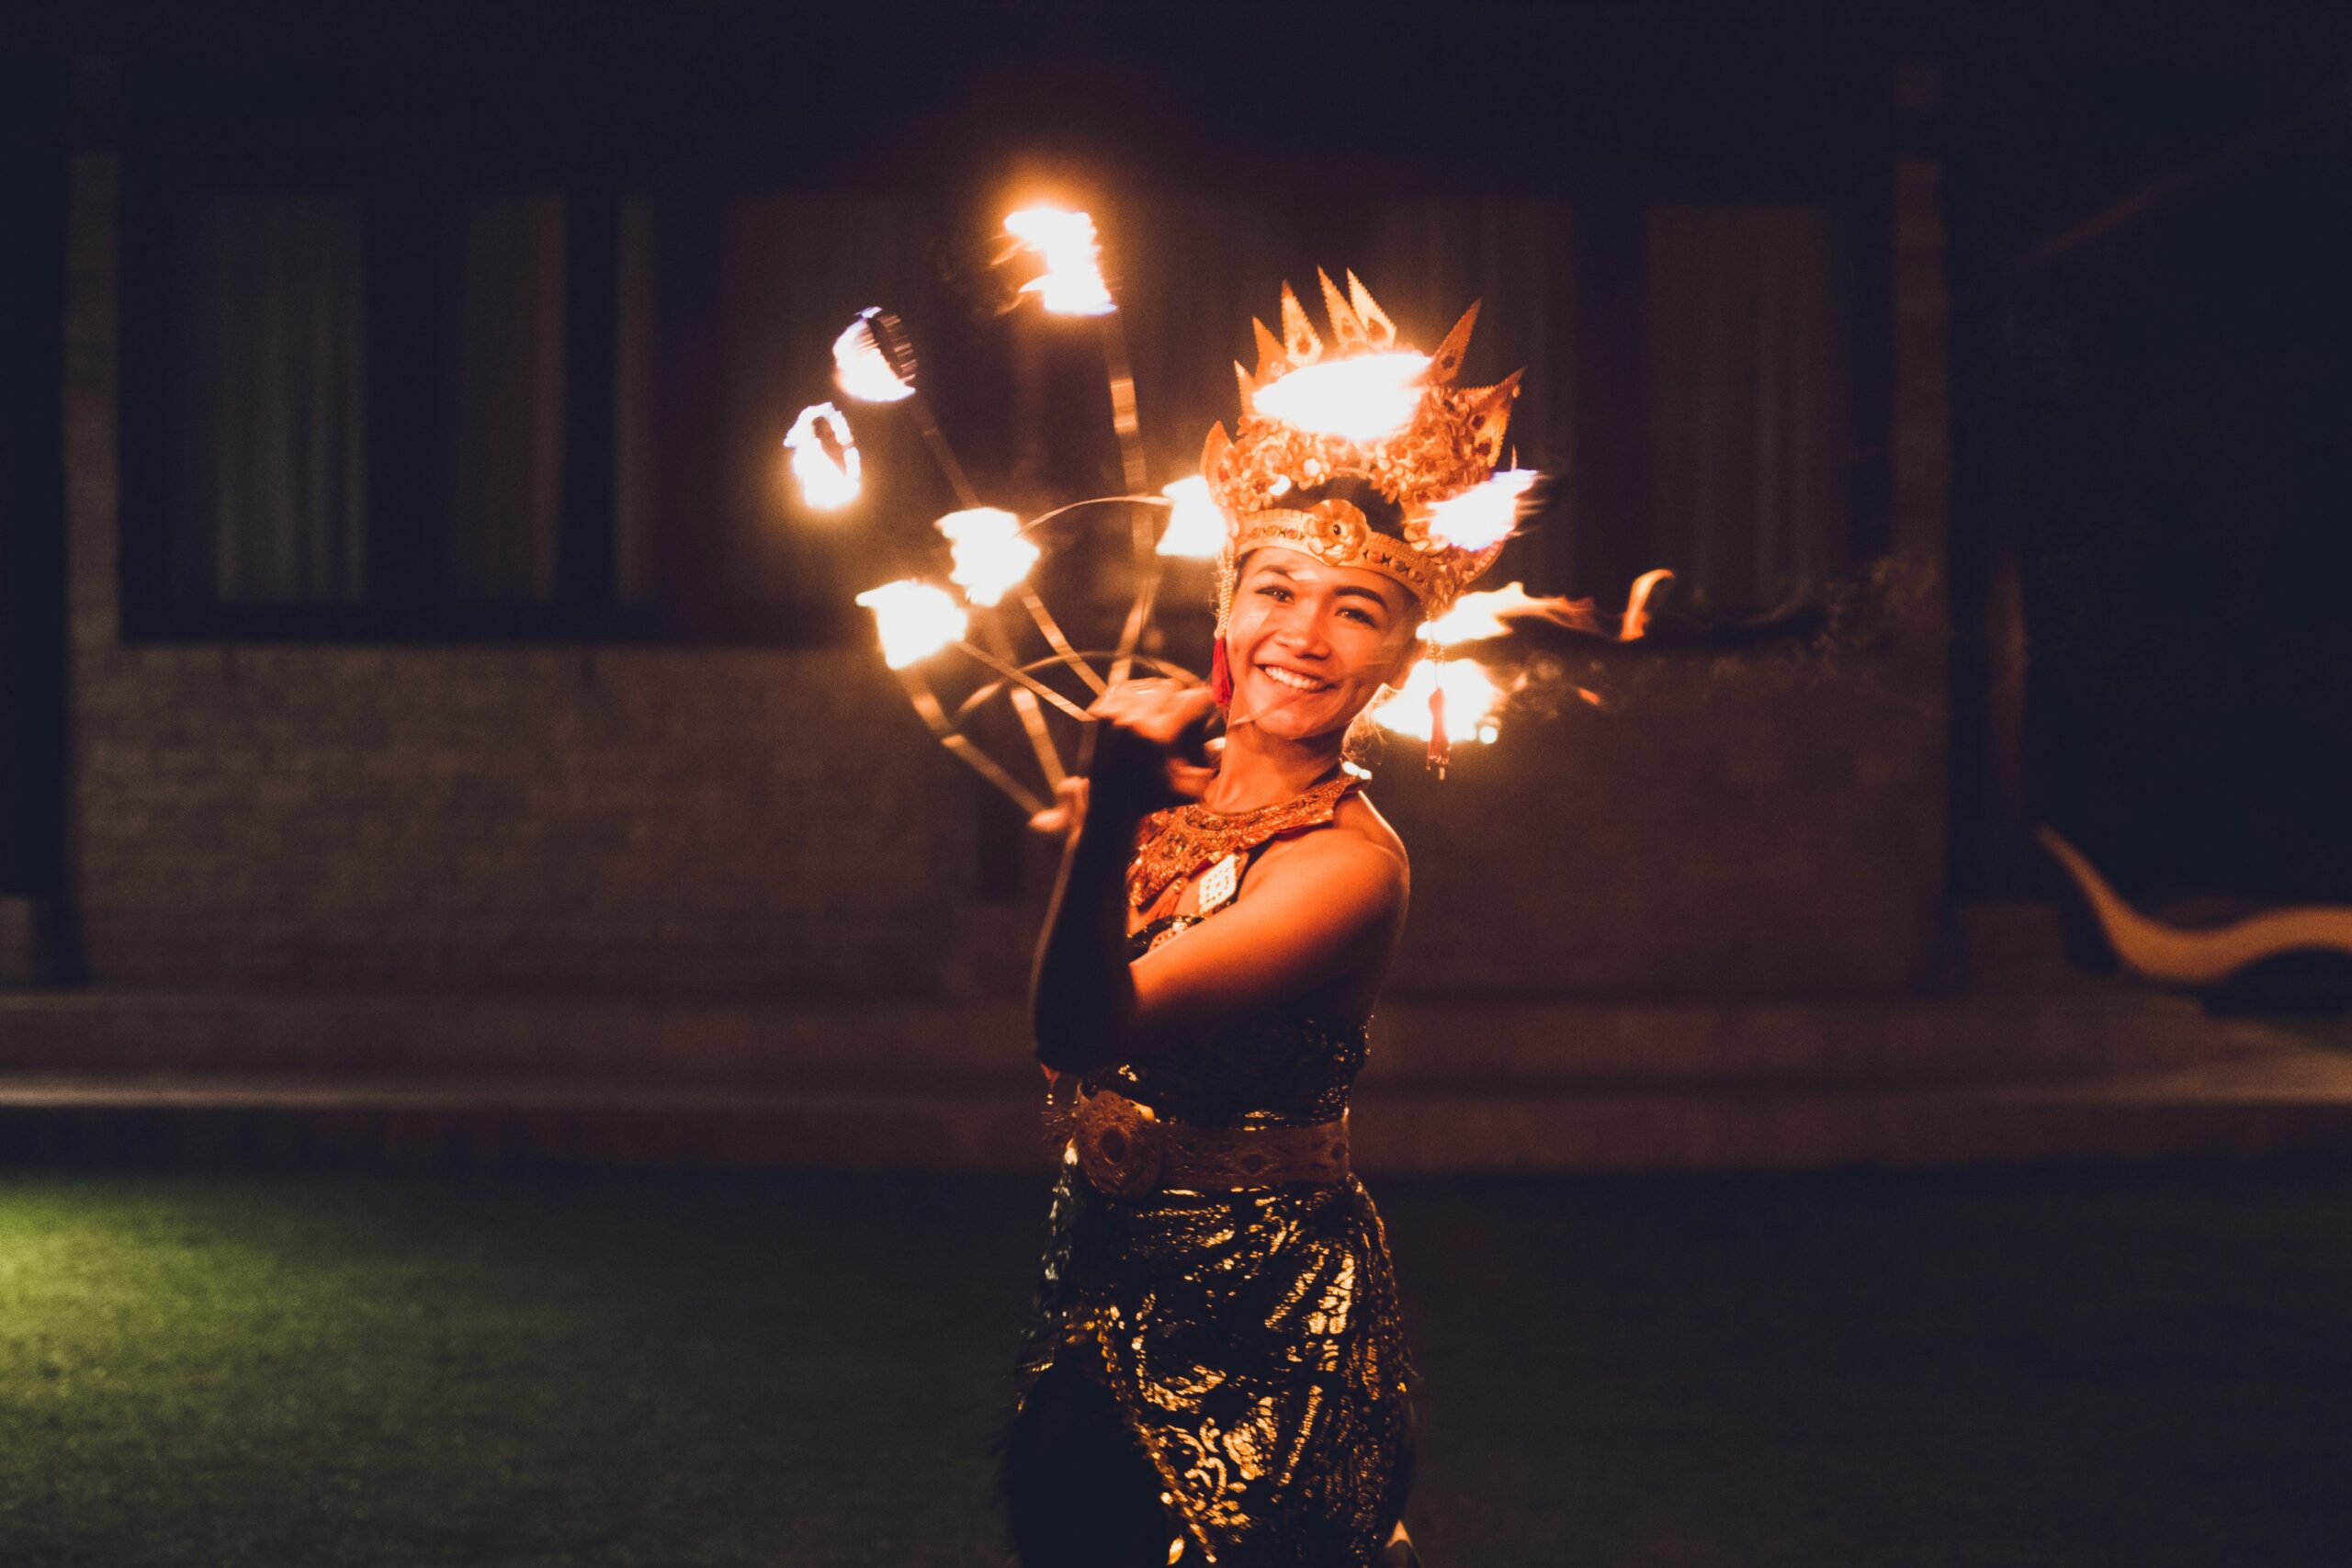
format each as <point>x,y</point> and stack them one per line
<point>1150,751</point>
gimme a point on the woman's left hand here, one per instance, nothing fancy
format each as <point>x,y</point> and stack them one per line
<point>1148,747</point>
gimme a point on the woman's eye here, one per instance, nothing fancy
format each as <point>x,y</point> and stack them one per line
<point>1363,616</point>
<point>1271,592</point>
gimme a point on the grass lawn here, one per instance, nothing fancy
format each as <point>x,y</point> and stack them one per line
<point>1963,1369</point>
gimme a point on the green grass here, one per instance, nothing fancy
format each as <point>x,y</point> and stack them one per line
<point>2069,1365</point>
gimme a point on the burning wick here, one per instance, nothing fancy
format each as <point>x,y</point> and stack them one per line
<point>1072,282</point>
<point>824,457</point>
<point>915,620</point>
<point>861,367</point>
<point>991,552</point>
<point>1485,514</point>
<point>1196,528</point>
<point>1467,696</point>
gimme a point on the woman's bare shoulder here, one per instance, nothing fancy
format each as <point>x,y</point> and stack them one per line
<point>1361,820</point>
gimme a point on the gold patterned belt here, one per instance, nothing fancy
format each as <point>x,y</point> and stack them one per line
<point>1127,1151</point>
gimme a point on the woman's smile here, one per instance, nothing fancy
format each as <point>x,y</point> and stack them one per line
<point>1296,680</point>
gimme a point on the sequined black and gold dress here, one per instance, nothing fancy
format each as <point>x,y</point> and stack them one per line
<point>1249,1338</point>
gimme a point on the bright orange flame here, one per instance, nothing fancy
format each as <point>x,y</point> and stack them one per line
<point>1637,603</point>
<point>824,456</point>
<point>915,620</point>
<point>1472,701</point>
<point>991,552</point>
<point>1487,513</point>
<point>860,368</point>
<point>1072,282</point>
<point>1477,615</point>
<point>1367,396</point>
<point>1195,528</point>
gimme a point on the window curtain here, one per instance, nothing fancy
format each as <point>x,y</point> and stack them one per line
<point>795,269</point>
<point>266,397</point>
<point>1750,315</point>
<point>502,396</point>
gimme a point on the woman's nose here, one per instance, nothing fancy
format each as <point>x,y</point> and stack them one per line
<point>1302,632</point>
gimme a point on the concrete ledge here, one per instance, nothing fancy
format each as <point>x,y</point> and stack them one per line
<point>2291,1100</point>
<point>1871,1041</point>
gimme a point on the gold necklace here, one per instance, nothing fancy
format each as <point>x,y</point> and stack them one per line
<point>1174,844</point>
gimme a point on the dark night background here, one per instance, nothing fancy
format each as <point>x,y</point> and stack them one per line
<point>434,737</point>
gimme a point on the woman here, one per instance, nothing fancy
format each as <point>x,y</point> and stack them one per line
<point>1216,1369</point>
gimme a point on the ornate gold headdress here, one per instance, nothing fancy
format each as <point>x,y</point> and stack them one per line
<point>1329,437</point>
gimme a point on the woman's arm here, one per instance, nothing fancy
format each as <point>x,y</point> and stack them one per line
<point>1080,994</point>
<point>1313,911</point>
<point>1309,919</point>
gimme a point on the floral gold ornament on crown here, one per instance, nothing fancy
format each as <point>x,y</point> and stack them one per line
<point>1363,407</point>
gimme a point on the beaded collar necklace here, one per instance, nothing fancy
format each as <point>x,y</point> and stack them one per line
<point>1175,844</point>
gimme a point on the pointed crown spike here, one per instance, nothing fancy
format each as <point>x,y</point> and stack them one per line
<point>1378,330</point>
<point>1347,329</point>
<point>1272,362</point>
<point>1212,449</point>
<point>1446,363</point>
<point>1490,408</point>
<point>1300,345</point>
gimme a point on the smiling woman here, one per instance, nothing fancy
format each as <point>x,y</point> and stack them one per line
<point>1217,1362</point>
<point>1334,635</point>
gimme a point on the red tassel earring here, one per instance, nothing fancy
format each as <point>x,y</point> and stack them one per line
<point>1441,750</point>
<point>1220,676</point>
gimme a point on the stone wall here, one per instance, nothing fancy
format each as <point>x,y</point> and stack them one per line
<point>715,821</point>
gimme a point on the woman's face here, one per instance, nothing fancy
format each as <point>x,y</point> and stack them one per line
<point>1309,645</point>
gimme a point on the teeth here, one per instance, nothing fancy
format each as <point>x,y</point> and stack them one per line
<point>1296,682</point>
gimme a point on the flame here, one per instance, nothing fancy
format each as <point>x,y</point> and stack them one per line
<point>860,368</point>
<point>1637,603</point>
<point>1195,528</point>
<point>1485,514</point>
<point>1477,615</point>
<point>1472,701</point>
<point>1072,282</point>
<point>991,553</point>
<point>1366,397</point>
<point>914,619</point>
<point>824,457</point>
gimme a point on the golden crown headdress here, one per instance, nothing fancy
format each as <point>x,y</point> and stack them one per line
<point>1332,434</point>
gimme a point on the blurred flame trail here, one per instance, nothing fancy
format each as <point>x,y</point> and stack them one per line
<point>1637,603</point>
<point>1477,616</point>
